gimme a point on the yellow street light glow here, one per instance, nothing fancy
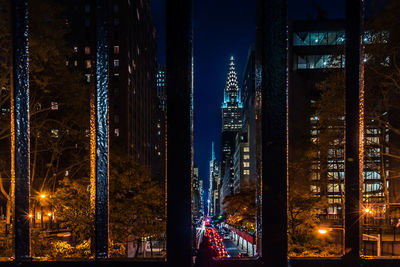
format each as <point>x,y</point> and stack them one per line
<point>49,214</point>
<point>30,215</point>
<point>42,196</point>
<point>322,231</point>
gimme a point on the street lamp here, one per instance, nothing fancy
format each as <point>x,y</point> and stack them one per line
<point>323,231</point>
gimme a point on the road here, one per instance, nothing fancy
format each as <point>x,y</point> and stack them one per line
<point>232,249</point>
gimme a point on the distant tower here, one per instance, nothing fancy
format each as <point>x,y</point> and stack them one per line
<point>232,105</point>
<point>231,115</point>
<point>214,181</point>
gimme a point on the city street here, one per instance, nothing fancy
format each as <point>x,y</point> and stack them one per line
<point>233,250</point>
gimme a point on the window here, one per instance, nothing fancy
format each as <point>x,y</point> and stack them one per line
<point>75,49</point>
<point>246,164</point>
<point>116,132</point>
<point>246,172</point>
<point>116,63</point>
<point>116,49</point>
<point>54,133</point>
<point>87,50</point>
<point>87,8</point>
<point>87,76</point>
<point>116,22</point>
<point>314,176</point>
<point>246,149</point>
<point>54,106</point>
<point>116,8</point>
<point>315,189</point>
<point>88,63</point>
<point>75,63</point>
<point>87,22</point>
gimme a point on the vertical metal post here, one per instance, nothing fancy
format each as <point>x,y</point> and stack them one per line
<point>271,56</point>
<point>101,103</point>
<point>354,137</point>
<point>179,93</point>
<point>20,129</point>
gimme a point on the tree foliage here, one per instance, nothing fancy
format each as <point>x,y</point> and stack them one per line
<point>240,208</point>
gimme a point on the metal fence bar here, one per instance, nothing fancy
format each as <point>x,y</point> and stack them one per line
<point>179,158</point>
<point>271,57</point>
<point>102,148</point>
<point>354,148</point>
<point>20,126</point>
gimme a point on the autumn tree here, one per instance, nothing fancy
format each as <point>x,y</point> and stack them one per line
<point>59,107</point>
<point>240,208</point>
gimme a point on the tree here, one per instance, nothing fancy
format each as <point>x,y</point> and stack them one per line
<point>137,205</point>
<point>59,102</point>
<point>240,208</point>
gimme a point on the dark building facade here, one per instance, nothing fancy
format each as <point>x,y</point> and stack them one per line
<point>135,118</point>
<point>316,51</point>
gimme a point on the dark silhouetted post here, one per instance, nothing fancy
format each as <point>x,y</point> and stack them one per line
<point>101,103</point>
<point>179,159</point>
<point>271,81</point>
<point>20,129</point>
<point>354,148</point>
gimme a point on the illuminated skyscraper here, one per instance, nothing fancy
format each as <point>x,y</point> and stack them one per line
<point>232,105</point>
<point>214,179</point>
<point>232,108</point>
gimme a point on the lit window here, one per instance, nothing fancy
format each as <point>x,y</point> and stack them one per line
<point>75,49</point>
<point>75,63</point>
<point>116,132</point>
<point>87,50</point>
<point>66,63</point>
<point>54,133</point>
<point>247,156</point>
<point>246,149</point>
<point>246,164</point>
<point>87,76</point>
<point>116,49</point>
<point>116,63</point>
<point>54,105</point>
<point>246,172</point>
<point>314,176</point>
<point>88,64</point>
<point>315,189</point>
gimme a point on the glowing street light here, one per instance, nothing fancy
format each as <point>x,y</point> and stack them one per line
<point>322,231</point>
<point>42,196</point>
<point>367,210</point>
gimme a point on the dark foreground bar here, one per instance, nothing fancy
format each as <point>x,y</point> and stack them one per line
<point>20,143</point>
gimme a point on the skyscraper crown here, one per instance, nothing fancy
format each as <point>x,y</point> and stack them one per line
<point>232,94</point>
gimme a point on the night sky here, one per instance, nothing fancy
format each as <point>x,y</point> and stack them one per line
<point>223,28</point>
